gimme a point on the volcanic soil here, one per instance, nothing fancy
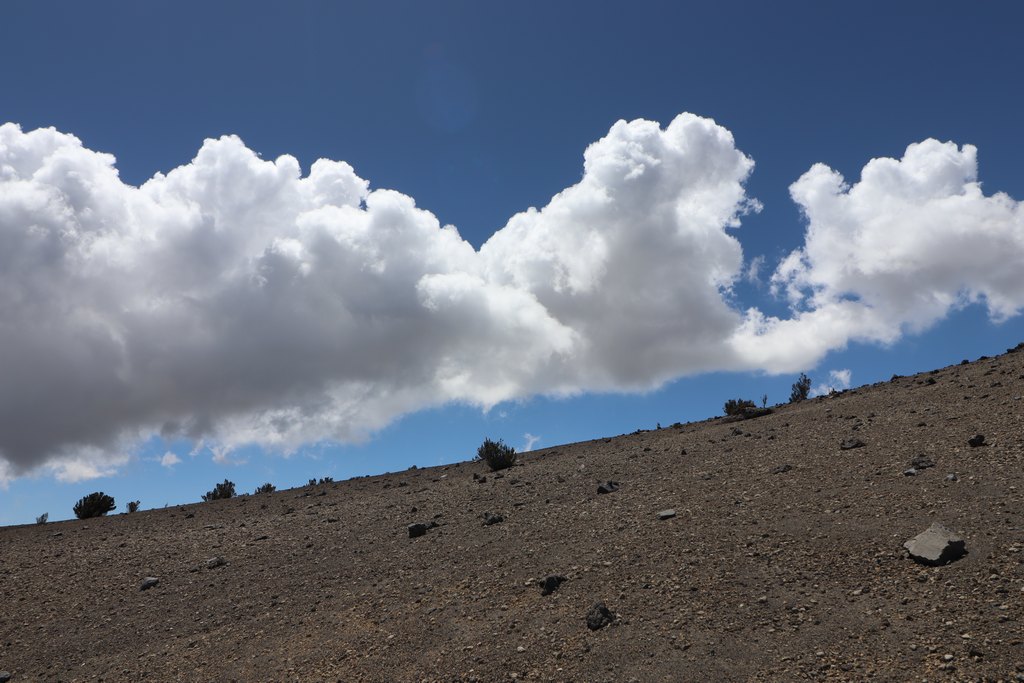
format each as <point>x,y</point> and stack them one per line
<point>784,560</point>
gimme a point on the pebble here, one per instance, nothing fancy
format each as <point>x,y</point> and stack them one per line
<point>215,562</point>
<point>976,440</point>
<point>666,514</point>
<point>851,444</point>
<point>149,582</point>
<point>608,487</point>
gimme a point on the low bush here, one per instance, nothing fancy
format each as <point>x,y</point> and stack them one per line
<point>41,519</point>
<point>266,488</point>
<point>222,491</point>
<point>95,504</point>
<point>736,406</point>
<point>133,506</point>
<point>496,454</point>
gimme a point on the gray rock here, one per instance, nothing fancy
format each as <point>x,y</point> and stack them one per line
<point>666,514</point>
<point>599,616</point>
<point>976,440</point>
<point>4,676</point>
<point>782,469</point>
<point>215,562</point>
<point>550,583</point>
<point>490,519</point>
<point>922,462</point>
<point>417,529</point>
<point>850,444</point>
<point>952,477</point>
<point>608,487</point>
<point>910,472</point>
<point>149,582</point>
<point>935,546</point>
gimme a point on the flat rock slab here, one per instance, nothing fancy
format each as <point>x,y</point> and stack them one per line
<point>935,546</point>
<point>608,487</point>
<point>850,444</point>
<point>666,514</point>
<point>149,582</point>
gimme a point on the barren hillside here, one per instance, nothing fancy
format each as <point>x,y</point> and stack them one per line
<point>784,560</point>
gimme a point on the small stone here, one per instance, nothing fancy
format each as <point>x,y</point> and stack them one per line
<point>215,562</point>
<point>608,487</point>
<point>149,582</point>
<point>490,519</point>
<point>952,477</point>
<point>937,545</point>
<point>922,462</point>
<point>599,616</point>
<point>910,473</point>
<point>550,583</point>
<point>976,440</point>
<point>4,676</point>
<point>850,444</point>
<point>782,469</point>
<point>666,514</point>
<point>417,529</point>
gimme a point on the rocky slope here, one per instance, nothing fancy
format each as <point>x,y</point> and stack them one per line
<point>784,560</point>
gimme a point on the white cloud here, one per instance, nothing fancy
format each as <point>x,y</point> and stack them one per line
<point>838,380</point>
<point>891,254</point>
<point>233,301</point>
<point>169,459</point>
<point>530,442</point>
<point>753,273</point>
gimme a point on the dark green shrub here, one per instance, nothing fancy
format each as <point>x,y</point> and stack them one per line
<point>222,491</point>
<point>133,506</point>
<point>801,389</point>
<point>496,454</point>
<point>95,504</point>
<point>736,406</point>
<point>266,488</point>
<point>41,519</point>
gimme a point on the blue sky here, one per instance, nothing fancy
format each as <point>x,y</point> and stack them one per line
<point>479,111</point>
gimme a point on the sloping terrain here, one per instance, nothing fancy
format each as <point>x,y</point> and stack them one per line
<point>764,573</point>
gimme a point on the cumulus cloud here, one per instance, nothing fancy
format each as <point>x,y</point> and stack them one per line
<point>169,459</point>
<point>913,239</point>
<point>838,380</point>
<point>234,301</point>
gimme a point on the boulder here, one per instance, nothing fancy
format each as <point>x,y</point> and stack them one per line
<point>608,487</point>
<point>550,583</point>
<point>599,616</point>
<point>935,546</point>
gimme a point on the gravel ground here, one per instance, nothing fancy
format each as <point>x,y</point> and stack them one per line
<point>762,574</point>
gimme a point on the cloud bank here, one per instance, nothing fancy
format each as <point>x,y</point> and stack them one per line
<point>234,301</point>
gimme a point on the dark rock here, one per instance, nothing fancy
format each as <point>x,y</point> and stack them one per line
<point>215,562</point>
<point>976,440</point>
<point>666,514</point>
<point>599,616</point>
<point>850,444</point>
<point>910,472</point>
<point>782,469</point>
<point>952,477</point>
<point>608,487</point>
<point>149,582</point>
<point>4,676</point>
<point>490,519</point>
<point>417,529</point>
<point>935,546</point>
<point>550,583</point>
<point>922,462</point>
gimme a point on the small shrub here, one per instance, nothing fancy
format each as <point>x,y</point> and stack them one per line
<point>95,504</point>
<point>496,454</point>
<point>736,406</point>
<point>801,389</point>
<point>41,519</point>
<point>323,480</point>
<point>326,480</point>
<point>222,491</point>
<point>266,488</point>
<point>133,505</point>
